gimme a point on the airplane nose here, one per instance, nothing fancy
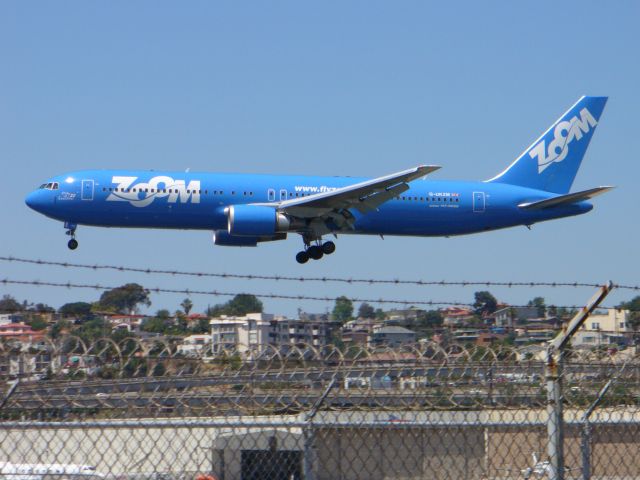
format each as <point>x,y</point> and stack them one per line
<point>34,200</point>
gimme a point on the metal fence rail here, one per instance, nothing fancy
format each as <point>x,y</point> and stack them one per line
<point>140,410</point>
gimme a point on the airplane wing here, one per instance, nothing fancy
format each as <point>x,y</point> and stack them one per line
<point>364,196</point>
<point>565,199</point>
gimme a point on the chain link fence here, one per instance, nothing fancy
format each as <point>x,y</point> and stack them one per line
<point>140,410</point>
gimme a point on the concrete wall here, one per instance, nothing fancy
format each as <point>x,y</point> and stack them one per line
<point>385,452</point>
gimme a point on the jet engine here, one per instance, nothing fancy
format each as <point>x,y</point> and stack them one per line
<point>255,221</point>
<point>222,238</point>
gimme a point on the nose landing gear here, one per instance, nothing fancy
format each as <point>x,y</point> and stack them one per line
<point>71,231</point>
<point>316,251</point>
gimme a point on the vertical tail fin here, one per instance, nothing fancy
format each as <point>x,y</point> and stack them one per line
<point>552,161</point>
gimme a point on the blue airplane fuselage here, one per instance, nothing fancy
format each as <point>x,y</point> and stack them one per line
<point>179,200</point>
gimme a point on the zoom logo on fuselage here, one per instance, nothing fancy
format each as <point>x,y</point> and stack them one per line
<point>142,194</point>
<point>564,133</point>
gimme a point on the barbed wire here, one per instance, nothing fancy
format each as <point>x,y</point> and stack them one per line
<point>277,296</point>
<point>285,278</point>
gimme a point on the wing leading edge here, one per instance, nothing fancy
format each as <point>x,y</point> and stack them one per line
<point>364,196</point>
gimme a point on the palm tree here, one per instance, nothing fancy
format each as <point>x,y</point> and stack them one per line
<point>186,305</point>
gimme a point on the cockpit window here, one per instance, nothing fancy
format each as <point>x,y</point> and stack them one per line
<point>42,186</point>
<point>50,186</point>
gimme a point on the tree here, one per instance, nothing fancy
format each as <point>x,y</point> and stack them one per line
<point>485,303</point>
<point>343,309</point>
<point>37,323</point>
<point>238,306</point>
<point>201,326</point>
<point>75,309</point>
<point>59,327</point>
<point>430,318</point>
<point>125,299</point>
<point>94,329</point>
<point>43,308</point>
<point>634,306</point>
<point>8,304</point>
<point>155,325</point>
<point>186,305</point>
<point>539,304</point>
<point>366,311</point>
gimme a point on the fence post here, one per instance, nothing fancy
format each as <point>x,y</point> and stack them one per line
<point>310,434</point>
<point>553,376</point>
<point>555,426</point>
<point>586,450</point>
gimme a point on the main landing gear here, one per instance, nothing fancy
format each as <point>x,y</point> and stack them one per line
<point>315,252</point>
<point>71,231</point>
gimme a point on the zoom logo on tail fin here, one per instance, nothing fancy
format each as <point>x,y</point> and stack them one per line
<point>564,133</point>
<point>551,163</point>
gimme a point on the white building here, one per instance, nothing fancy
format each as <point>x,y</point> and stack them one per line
<point>612,327</point>
<point>195,345</point>
<point>240,334</point>
<point>256,331</point>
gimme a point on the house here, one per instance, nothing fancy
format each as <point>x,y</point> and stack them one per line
<point>195,345</point>
<point>126,322</point>
<point>6,318</point>
<point>609,328</point>
<point>360,331</point>
<point>21,333</point>
<point>394,336</point>
<point>194,318</point>
<point>456,316</point>
<point>466,335</point>
<point>403,317</point>
<point>510,316</point>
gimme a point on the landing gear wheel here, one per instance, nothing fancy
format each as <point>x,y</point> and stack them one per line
<point>315,252</point>
<point>328,247</point>
<point>302,257</point>
<point>73,244</point>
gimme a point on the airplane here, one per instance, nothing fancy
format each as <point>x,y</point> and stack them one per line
<point>243,210</point>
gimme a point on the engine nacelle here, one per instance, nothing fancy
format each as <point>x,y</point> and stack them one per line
<point>255,221</point>
<point>222,238</point>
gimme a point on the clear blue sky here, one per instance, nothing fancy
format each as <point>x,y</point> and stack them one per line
<point>335,88</point>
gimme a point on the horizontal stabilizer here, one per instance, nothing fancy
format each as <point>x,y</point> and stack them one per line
<point>565,199</point>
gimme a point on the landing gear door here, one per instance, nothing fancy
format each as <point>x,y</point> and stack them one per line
<point>87,190</point>
<point>478,202</point>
